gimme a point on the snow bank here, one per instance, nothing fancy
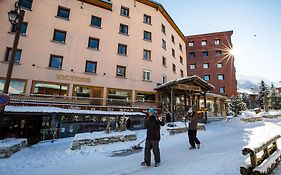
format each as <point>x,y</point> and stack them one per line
<point>260,135</point>
<point>9,142</point>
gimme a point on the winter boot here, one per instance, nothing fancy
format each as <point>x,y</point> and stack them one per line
<point>193,147</point>
<point>145,164</point>
<point>198,146</point>
<point>157,164</point>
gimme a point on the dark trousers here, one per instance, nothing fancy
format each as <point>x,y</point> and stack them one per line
<point>154,145</point>
<point>193,138</point>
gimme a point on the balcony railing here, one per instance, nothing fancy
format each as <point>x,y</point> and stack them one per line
<point>74,100</point>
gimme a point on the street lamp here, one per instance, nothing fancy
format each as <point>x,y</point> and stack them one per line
<point>16,19</point>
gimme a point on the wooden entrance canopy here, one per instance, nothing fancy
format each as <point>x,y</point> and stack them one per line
<point>192,86</point>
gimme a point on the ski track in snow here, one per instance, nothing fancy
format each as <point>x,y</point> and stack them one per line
<point>220,154</point>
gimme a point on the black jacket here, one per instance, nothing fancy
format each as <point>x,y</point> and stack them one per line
<point>153,127</point>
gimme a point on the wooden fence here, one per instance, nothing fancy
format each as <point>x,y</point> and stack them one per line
<point>262,159</point>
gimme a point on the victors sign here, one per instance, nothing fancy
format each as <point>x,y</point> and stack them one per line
<point>72,78</point>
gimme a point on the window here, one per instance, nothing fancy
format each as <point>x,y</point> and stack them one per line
<point>63,12</point>
<point>96,21</point>
<point>163,29</point>
<point>124,11</point>
<point>207,77</point>
<point>181,73</point>
<point>220,77</point>
<point>191,54</point>
<point>164,61</point>
<point>164,79</point>
<point>50,88</point>
<point>146,75</point>
<point>26,4</point>
<point>121,71</point>
<point>93,43</point>
<point>9,52</point>
<point>206,65</point>
<point>180,46</point>
<point>123,29</point>
<point>91,67</point>
<point>218,52</point>
<point>56,61</point>
<point>191,43</point>
<point>204,43</point>
<point>192,66</point>
<point>217,41</point>
<point>147,35</point>
<point>205,53</point>
<point>16,86</point>
<point>146,54</point>
<point>59,36</point>
<point>23,28</point>
<point>163,44</point>
<point>122,49</point>
<point>120,97</point>
<point>181,60</point>
<point>147,19</point>
<point>219,65</point>
<point>145,97</point>
<point>173,39</point>
<point>173,53</point>
<point>222,90</point>
<point>174,67</point>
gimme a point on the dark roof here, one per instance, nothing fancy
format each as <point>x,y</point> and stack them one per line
<point>190,80</point>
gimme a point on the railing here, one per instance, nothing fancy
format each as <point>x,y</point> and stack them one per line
<point>74,100</point>
<point>263,159</point>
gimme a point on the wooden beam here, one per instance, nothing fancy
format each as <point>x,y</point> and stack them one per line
<point>99,3</point>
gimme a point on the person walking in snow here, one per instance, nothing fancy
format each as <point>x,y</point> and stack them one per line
<point>152,124</point>
<point>192,129</point>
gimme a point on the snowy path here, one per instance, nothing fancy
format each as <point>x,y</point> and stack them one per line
<point>220,154</point>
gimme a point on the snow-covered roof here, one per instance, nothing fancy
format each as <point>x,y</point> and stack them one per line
<point>247,91</point>
<point>45,109</point>
<point>194,78</point>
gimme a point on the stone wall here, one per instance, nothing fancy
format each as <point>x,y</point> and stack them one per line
<point>77,143</point>
<point>177,130</point>
<point>10,146</point>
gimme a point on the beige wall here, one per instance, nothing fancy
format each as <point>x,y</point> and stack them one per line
<point>37,46</point>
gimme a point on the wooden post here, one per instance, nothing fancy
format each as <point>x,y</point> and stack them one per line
<point>198,102</point>
<point>185,102</point>
<point>205,106</point>
<point>172,104</point>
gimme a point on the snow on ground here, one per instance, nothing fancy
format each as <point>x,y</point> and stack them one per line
<point>220,154</point>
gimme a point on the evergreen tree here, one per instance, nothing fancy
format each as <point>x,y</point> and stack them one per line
<point>263,93</point>
<point>274,98</point>
<point>245,99</point>
<point>236,105</point>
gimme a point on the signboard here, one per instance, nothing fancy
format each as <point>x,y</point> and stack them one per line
<point>188,87</point>
<point>72,78</point>
<point>4,100</point>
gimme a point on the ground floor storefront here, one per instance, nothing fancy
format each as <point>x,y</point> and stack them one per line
<point>46,123</point>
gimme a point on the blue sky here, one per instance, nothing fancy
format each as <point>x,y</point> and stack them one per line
<point>254,55</point>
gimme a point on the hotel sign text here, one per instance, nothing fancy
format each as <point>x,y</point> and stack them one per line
<point>188,87</point>
<point>73,78</point>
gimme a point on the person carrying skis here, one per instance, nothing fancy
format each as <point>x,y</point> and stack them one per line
<point>152,124</point>
<point>192,129</point>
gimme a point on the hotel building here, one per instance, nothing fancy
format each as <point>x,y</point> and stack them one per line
<point>112,52</point>
<point>209,56</point>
